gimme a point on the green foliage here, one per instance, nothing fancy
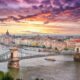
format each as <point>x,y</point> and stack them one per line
<point>1,75</point>
<point>7,76</point>
<point>66,49</point>
<point>43,46</point>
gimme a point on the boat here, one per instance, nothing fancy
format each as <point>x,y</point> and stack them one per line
<point>50,59</point>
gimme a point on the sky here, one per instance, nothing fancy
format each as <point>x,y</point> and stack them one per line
<point>40,16</point>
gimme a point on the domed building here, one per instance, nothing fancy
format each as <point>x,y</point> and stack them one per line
<point>7,33</point>
<point>6,38</point>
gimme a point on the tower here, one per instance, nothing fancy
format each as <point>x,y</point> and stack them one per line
<point>14,58</point>
<point>7,33</point>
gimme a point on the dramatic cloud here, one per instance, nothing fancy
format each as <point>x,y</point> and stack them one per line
<point>54,3</point>
<point>21,11</point>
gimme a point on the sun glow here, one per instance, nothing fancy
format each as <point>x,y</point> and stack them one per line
<point>40,27</point>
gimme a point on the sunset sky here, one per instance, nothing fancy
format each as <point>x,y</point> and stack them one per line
<point>40,16</point>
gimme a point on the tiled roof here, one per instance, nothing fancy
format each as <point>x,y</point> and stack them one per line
<point>75,40</point>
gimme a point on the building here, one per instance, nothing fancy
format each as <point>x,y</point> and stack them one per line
<point>6,38</point>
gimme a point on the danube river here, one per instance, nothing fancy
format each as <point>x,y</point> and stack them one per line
<point>64,68</point>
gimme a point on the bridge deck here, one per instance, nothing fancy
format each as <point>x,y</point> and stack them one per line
<point>30,54</point>
<point>27,57</point>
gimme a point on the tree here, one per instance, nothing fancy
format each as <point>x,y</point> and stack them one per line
<point>66,49</point>
<point>1,75</point>
<point>43,46</point>
<point>7,76</point>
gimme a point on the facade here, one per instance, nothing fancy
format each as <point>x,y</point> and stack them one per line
<point>6,38</point>
<point>73,43</point>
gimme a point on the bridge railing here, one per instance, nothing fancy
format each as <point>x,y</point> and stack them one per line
<point>5,56</point>
<point>24,54</point>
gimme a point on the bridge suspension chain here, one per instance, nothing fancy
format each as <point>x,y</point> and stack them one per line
<point>5,56</point>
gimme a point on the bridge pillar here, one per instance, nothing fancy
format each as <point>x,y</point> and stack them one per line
<point>77,55</point>
<point>14,58</point>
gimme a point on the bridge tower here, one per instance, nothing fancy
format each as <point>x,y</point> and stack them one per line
<point>14,58</point>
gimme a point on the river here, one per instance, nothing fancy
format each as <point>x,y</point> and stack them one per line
<point>64,68</point>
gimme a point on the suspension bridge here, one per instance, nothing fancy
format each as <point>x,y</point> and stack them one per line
<point>23,54</point>
<point>14,55</point>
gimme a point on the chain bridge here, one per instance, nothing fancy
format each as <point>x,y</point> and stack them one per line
<point>24,54</point>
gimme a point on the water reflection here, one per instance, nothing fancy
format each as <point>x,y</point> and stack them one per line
<point>77,71</point>
<point>68,70</point>
<point>62,69</point>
